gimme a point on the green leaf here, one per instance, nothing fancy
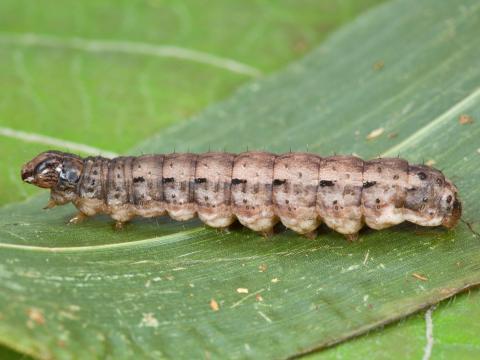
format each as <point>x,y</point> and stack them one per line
<point>454,331</point>
<point>105,73</point>
<point>86,290</point>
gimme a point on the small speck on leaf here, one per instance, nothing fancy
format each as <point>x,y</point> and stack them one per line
<point>263,267</point>
<point>149,320</point>
<point>392,135</point>
<point>465,119</point>
<point>36,315</point>
<point>242,290</point>
<point>378,65</point>
<point>275,280</point>
<point>420,276</point>
<point>430,162</point>
<point>375,133</point>
<point>258,297</point>
<point>214,305</point>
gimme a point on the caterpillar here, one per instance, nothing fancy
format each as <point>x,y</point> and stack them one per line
<point>258,188</point>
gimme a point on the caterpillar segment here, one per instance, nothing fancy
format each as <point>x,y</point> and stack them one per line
<point>258,189</point>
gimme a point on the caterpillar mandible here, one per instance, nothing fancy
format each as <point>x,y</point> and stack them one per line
<point>258,188</point>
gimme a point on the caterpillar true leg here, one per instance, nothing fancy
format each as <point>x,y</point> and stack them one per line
<point>78,218</point>
<point>50,205</point>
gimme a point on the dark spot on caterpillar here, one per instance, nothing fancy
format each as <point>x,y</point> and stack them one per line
<point>300,174</point>
<point>238,181</point>
<point>449,199</point>
<point>168,180</point>
<point>244,201</point>
<point>425,199</point>
<point>173,196</point>
<point>118,176</point>
<point>377,200</point>
<point>278,182</point>
<point>368,184</point>
<point>324,183</point>
<point>117,196</point>
<point>92,182</point>
<point>287,201</point>
<point>90,189</point>
<point>200,180</point>
<point>412,189</point>
<point>439,181</point>
<point>422,175</point>
<point>335,202</point>
<point>396,177</point>
<point>379,169</point>
<point>206,198</point>
<point>95,172</point>
<point>138,179</point>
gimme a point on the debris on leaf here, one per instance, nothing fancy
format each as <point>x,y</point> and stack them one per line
<point>465,119</point>
<point>258,297</point>
<point>262,267</point>
<point>420,277</point>
<point>36,316</point>
<point>214,305</point>
<point>378,65</point>
<point>149,320</point>
<point>392,135</point>
<point>275,280</point>
<point>242,291</point>
<point>430,162</point>
<point>375,133</point>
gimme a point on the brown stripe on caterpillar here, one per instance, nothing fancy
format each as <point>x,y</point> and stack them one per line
<point>259,189</point>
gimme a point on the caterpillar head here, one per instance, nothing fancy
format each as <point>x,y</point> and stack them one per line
<point>450,205</point>
<point>431,199</point>
<point>49,168</point>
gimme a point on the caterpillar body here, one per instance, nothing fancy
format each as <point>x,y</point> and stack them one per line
<point>258,188</point>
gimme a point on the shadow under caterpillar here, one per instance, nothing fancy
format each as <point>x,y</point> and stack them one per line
<point>258,188</point>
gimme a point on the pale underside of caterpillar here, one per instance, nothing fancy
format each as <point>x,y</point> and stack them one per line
<point>258,188</point>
